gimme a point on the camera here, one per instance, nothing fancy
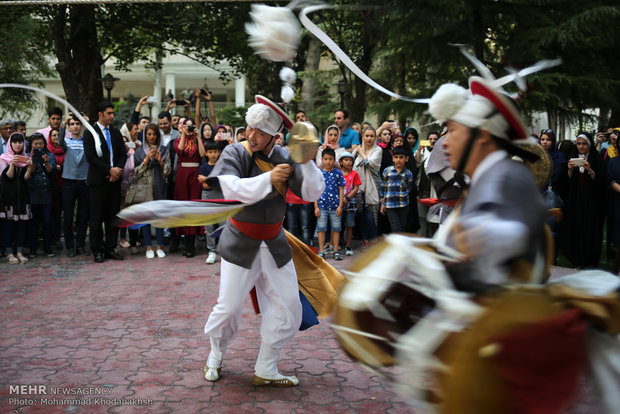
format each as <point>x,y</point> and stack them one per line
<point>180,102</point>
<point>204,92</point>
<point>191,128</point>
<point>151,99</point>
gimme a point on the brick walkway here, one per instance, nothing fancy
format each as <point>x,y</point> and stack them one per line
<point>133,329</point>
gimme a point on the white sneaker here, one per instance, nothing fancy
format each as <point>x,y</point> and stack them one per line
<point>150,254</point>
<point>160,253</point>
<point>211,258</point>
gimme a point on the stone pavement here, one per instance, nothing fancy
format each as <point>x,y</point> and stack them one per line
<point>131,332</point>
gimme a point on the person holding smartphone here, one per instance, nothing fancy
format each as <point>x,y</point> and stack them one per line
<point>41,189</point>
<point>582,235</point>
<point>16,168</point>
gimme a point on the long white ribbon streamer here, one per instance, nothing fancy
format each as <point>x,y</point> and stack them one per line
<point>76,113</point>
<point>339,53</point>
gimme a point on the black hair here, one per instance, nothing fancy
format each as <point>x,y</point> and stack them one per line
<point>329,151</point>
<point>345,113</point>
<point>550,134</point>
<point>399,151</point>
<point>103,105</point>
<point>413,131</point>
<point>18,124</point>
<point>34,137</point>
<point>433,133</point>
<point>211,144</point>
<point>155,129</point>
<point>19,137</point>
<point>54,111</point>
<point>145,117</point>
<point>165,114</point>
<point>301,112</point>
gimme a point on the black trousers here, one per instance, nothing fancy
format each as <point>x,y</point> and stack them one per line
<point>75,191</point>
<point>105,202</point>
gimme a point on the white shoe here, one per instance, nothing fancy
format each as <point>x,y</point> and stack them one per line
<point>160,253</point>
<point>150,254</point>
<point>211,374</point>
<point>211,258</point>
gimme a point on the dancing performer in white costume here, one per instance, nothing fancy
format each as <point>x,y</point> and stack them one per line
<point>253,246</point>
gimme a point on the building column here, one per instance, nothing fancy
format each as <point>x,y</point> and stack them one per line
<point>240,91</point>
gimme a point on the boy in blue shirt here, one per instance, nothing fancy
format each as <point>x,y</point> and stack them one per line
<point>329,205</point>
<point>212,149</point>
<point>397,183</point>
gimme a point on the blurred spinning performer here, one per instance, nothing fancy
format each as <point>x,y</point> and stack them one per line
<point>253,246</point>
<point>500,225</point>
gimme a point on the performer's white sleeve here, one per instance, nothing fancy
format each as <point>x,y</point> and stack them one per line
<point>248,190</point>
<point>497,241</point>
<point>313,183</point>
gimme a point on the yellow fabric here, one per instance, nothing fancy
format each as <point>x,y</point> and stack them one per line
<point>318,280</point>
<point>611,151</point>
<point>264,167</point>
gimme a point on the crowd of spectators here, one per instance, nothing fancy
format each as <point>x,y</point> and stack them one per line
<point>377,180</point>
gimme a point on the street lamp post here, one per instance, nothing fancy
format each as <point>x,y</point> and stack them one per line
<point>108,84</point>
<point>341,91</point>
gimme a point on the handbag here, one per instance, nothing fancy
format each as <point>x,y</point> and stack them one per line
<point>140,191</point>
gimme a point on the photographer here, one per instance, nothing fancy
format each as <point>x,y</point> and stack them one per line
<point>41,188</point>
<point>190,150</point>
<point>602,140</point>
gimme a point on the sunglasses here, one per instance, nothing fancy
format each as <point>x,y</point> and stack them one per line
<point>547,131</point>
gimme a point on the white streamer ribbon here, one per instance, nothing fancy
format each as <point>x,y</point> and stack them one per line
<point>339,53</point>
<point>76,113</point>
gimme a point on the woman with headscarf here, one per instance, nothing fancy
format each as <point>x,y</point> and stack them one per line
<point>15,170</point>
<point>558,177</point>
<point>413,138</point>
<point>613,218</point>
<point>367,161</point>
<point>190,150</point>
<point>152,166</point>
<point>59,154</point>
<point>582,233</point>
<point>558,182</point>
<point>332,135</point>
<point>130,132</point>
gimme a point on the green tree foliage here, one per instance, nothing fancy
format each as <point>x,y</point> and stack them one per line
<point>24,50</point>
<point>414,57</point>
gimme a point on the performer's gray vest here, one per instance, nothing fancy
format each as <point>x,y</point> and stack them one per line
<point>236,247</point>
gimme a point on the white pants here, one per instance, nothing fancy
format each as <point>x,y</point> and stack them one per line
<point>278,298</point>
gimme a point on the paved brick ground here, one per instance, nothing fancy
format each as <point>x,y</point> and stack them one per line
<point>134,330</point>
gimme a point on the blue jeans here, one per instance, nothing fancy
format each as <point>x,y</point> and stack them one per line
<point>328,216</point>
<point>72,191</point>
<point>159,235</point>
<point>298,215</point>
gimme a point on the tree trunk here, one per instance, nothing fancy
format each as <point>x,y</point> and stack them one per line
<point>308,89</point>
<point>79,57</point>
